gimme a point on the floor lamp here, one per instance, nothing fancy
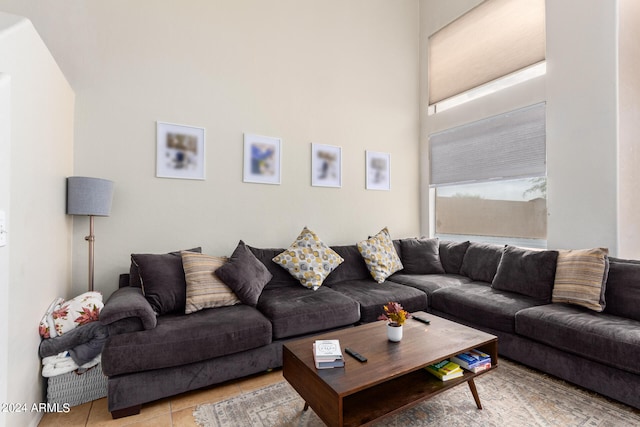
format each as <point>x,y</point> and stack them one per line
<point>92,197</point>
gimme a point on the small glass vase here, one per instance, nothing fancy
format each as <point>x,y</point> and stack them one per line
<point>394,332</point>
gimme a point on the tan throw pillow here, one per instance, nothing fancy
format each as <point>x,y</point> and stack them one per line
<point>309,259</point>
<point>581,276</point>
<point>380,255</point>
<point>204,288</point>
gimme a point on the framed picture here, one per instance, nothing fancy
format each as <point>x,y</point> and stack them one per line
<point>326,166</point>
<point>378,170</point>
<point>179,151</point>
<point>262,156</point>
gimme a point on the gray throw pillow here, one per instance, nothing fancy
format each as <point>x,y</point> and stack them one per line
<point>245,275</point>
<point>421,256</point>
<point>162,280</point>
<point>527,272</point>
<point>623,288</point>
<point>452,255</point>
<point>134,273</point>
<point>481,261</point>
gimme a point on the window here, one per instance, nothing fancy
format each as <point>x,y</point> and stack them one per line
<point>493,46</point>
<point>488,179</point>
<point>505,211</point>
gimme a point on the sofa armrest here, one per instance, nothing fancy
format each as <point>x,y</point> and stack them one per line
<point>127,308</point>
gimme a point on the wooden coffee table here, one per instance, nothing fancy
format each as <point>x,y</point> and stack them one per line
<point>392,379</point>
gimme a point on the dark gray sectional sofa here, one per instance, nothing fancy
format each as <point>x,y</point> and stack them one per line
<point>505,291</point>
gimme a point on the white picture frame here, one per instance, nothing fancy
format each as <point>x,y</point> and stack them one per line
<point>262,159</point>
<point>378,170</point>
<point>326,166</point>
<point>180,151</point>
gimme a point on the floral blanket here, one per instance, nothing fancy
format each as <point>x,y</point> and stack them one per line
<point>63,316</point>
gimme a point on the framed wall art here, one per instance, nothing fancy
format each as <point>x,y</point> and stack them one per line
<point>262,158</point>
<point>179,151</point>
<point>326,166</point>
<point>378,170</point>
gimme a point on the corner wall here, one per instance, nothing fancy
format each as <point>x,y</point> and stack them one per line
<point>629,122</point>
<point>582,124</point>
<point>5,179</point>
<point>39,248</point>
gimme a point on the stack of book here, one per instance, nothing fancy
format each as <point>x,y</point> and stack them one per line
<point>327,354</point>
<point>474,360</point>
<point>445,370</point>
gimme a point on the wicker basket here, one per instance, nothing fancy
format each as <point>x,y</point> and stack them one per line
<point>76,389</point>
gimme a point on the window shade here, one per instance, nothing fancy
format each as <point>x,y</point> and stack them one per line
<point>509,145</point>
<point>490,41</point>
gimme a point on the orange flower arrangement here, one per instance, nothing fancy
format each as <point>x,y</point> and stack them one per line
<point>394,313</point>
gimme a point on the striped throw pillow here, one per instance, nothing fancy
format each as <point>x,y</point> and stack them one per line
<point>204,288</point>
<point>581,276</point>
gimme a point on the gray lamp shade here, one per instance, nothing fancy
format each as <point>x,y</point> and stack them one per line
<point>89,196</point>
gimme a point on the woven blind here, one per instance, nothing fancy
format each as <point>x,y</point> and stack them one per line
<point>510,145</point>
<point>496,38</point>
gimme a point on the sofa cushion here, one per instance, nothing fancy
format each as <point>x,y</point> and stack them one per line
<point>352,268</point>
<point>279,276</point>
<point>480,304</point>
<point>162,280</point>
<point>372,296</point>
<point>623,288</point>
<point>296,311</point>
<point>481,261</point>
<point>244,274</point>
<point>134,273</point>
<point>581,277</point>
<point>421,256</point>
<point>309,259</point>
<point>452,255</point>
<point>601,337</point>
<point>380,255</point>
<point>527,272</point>
<point>429,282</point>
<point>204,288</point>
<point>180,339</point>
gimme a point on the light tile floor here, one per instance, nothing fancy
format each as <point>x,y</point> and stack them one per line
<point>176,411</point>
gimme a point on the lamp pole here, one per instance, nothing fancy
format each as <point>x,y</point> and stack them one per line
<point>91,238</point>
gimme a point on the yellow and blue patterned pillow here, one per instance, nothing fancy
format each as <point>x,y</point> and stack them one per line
<point>380,255</point>
<point>309,259</point>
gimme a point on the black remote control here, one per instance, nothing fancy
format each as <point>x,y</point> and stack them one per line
<point>355,354</point>
<point>421,319</point>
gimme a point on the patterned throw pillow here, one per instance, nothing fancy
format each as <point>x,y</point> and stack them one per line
<point>380,255</point>
<point>581,276</point>
<point>204,288</point>
<point>309,259</point>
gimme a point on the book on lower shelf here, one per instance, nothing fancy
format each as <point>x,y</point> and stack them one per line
<point>473,360</point>
<point>327,354</point>
<point>445,370</point>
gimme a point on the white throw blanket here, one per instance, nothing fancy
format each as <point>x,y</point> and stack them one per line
<point>62,363</point>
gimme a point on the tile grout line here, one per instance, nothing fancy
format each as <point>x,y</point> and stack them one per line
<point>86,422</point>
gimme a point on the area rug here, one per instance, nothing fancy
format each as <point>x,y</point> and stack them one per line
<point>511,395</point>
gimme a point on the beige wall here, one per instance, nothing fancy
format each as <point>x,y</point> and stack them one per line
<point>39,249</point>
<point>580,91</point>
<point>629,122</point>
<point>5,175</point>
<point>329,72</point>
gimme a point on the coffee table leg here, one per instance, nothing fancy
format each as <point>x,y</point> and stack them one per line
<point>306,406</point>
<point>474,391</point>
